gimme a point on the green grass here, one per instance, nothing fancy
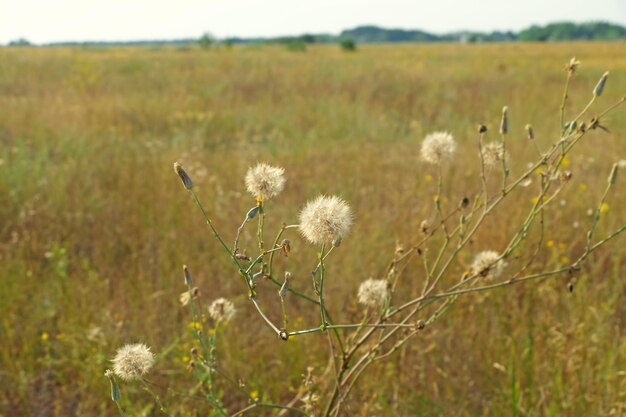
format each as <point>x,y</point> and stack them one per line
<point>95,226</point>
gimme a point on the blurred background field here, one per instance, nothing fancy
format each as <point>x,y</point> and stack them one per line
<point>95,226</point>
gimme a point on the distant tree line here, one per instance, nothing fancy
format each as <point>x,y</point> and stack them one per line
<point>561,31</point>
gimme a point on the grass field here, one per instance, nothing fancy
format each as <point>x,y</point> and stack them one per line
<point>95,226</point>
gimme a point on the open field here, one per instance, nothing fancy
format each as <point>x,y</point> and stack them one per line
<point>95,226</point>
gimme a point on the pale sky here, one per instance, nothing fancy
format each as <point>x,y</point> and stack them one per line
<point>43,21</point>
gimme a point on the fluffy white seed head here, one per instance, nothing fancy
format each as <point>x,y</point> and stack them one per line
<point>325,219</point>
<point>373,292</point>
<point>486,264</point>
<point>493,154</point>
<point>222,310</point>
<point>438,146</point>
<point>132,361</point>
<point>265,181</point>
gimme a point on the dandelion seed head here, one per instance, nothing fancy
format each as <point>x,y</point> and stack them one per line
<point>325,219</point>
<point>222,310</point>
<point>132,361</point>
<point>265,181</point>
<point>486,264</point>
<point>437,147</point>
<point>373,292</point>
<point>493,154</point>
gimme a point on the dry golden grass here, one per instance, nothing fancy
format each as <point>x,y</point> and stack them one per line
<point>95,226</point>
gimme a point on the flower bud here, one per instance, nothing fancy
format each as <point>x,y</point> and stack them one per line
<point>183,176</point>
<point>504,122</point>
<point>530,132</point>
<point>252,212</point>
<point>599,88</point>
<point>188,280</point>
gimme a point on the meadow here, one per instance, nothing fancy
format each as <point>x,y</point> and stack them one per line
<point>95,226</point>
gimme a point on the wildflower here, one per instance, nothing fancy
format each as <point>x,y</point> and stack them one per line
<point>493,154</point>
<point>325,219</point>
<point>604,208</point>
<point>222,310</point>
<point>373,292</point>
<point>487,264</point>
<point>437,147</point>
<point>132,361</point>
<point>183,176</point>
<point>265,181</point>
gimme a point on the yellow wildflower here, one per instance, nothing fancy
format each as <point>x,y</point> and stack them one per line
<point>604,208</point>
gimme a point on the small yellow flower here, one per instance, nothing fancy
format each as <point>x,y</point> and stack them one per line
<point>428,178</point>
<point>565,259</point>
<point>604,208</point>
<point>550,244</point>
<point>254,394</point>
<point>583,187</point>
<point>45,336</point>
<point>194,325</point>
<point>185,359</point>
<point>566,162</point>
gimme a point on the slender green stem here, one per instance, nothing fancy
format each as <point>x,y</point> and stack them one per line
<point>239,230</point>
<point>261,225</point>
<point>564,100</point>
<point>156,397</point>
<point>582,113</point>
<point>350,326</point>
<point>267,320</point>
<point>268,405</point>
<point>120,409</point>
<point>598,211</point>
<point>321,295</point>
<point>219,238</point>
<point>278,236</point>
